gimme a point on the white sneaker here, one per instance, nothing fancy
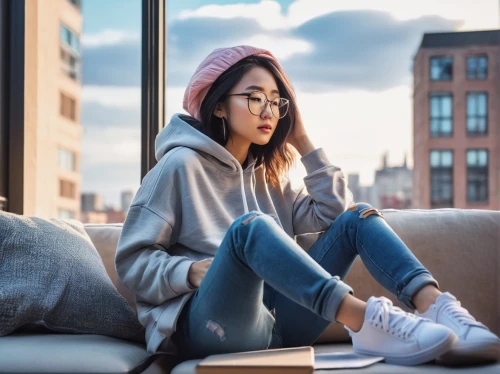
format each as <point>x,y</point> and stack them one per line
<point>401,338</point>
<point>476,344</point>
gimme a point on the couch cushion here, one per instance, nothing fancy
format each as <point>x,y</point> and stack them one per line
<point>105,238</point>
<point>65,353</point>
<point>51,276</point>
<point>188,367</point>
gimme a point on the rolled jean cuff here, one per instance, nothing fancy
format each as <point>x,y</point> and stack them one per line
<point>341,289</point>
<point>418,282</point>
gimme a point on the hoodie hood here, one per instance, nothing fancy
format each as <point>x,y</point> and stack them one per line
<point>182,131</point>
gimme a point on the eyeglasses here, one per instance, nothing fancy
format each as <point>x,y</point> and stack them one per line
<point>257,103</point>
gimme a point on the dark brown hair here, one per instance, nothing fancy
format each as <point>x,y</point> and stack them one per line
<point>276,155</point>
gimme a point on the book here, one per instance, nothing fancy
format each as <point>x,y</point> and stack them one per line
<point>296,360</point>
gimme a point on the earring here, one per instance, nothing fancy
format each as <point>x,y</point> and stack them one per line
<point>224,127</point>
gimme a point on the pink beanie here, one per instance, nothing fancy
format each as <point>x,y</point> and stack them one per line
<point>213,66</point>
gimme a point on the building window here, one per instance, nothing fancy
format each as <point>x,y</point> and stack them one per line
<point>441,68</point>
<point>66,214</point>
<point>477,67</point>
<point>67,160</point>
<point>70,39</point>
<point>477,113</point>
<point>68,107</point>
<point>67,189</point>
<point>477,175</point>
<point>441,164</point>
<point>441,114</point>
<point>70,53</point>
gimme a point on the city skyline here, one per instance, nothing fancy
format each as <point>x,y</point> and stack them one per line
<point>366,110</point>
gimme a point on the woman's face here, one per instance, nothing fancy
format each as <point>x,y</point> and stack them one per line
<point>245,125</point>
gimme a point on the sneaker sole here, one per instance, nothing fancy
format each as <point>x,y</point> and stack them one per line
<point>420,357</point>
<point>471,354</point>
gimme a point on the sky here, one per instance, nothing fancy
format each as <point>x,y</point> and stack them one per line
<point>349,61</point>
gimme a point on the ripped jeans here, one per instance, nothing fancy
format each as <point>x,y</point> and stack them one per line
<point>258,268</point>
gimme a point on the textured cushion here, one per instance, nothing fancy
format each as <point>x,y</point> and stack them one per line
<point>52,277</point>
<point>65,353</point>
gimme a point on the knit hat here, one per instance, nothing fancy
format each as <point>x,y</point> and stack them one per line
<point>213,66</point>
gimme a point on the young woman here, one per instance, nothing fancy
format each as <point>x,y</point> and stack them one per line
<point>208,244</point>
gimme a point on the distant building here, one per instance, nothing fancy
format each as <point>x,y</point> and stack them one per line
<point>361,194</point>
<point>456,128</point>
<point>393,186</point>
<point>92,202</point>
<point>126,200</point>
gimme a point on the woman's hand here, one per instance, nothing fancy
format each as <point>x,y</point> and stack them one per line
<point>197,271</point>
<point>299,131</point>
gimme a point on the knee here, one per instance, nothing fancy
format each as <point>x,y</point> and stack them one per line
<point>360,211</point>
<point>253,221</point>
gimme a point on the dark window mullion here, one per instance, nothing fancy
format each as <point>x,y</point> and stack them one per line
<point>153,79</point>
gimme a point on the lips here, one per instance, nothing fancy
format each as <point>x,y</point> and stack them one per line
<point>265,127</point>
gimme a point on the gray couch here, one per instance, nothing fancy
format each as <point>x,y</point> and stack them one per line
<point>460,247</point>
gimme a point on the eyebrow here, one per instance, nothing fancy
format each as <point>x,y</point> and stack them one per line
<point>261,89</point>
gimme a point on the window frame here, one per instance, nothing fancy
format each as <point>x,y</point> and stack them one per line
<point>433,204</point>
<point>13,56</point>
<point>153,79</point>
<point>441,134</point>
<point>482,168</point>
<point>476,56</point>
<point>475,134</point>
<point>437,58</point>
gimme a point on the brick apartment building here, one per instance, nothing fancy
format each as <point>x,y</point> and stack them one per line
<point>456,135</point>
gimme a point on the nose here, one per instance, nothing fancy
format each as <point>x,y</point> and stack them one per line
<point>266,112</point>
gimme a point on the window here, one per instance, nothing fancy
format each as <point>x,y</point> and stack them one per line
<point>441,114</point>
<point>441,164</point>
<point>477,175</point>
<point>477,67</point>
<point>67,189</point>
<point>67,160</point>
<point>66,214</point>
<point>477,113</point>
<point>70,39</point>
<point>441,68</point>
<point>68,107</point>
<point>70,53</point>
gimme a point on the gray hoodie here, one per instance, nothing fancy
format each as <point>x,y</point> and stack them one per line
<point>185,206</point>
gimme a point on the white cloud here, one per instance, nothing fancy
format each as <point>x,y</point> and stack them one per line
<point>267,13</point>
<point>108,37</point>
<point>282,47</point>
<point>119,97</point>
<point>476,14</point>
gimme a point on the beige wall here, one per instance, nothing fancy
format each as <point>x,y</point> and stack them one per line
<point>459,142</point>
<point>45,129</point>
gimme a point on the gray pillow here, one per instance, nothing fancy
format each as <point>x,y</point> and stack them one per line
<point>52,276</point>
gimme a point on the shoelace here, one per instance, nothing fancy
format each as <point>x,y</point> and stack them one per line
<point>393,317</point>
<point>456,310</point>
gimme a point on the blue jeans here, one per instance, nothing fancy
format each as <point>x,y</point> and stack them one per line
<point>258,268</point>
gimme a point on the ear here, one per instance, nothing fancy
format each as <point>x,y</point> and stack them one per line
<point>219,110</point>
